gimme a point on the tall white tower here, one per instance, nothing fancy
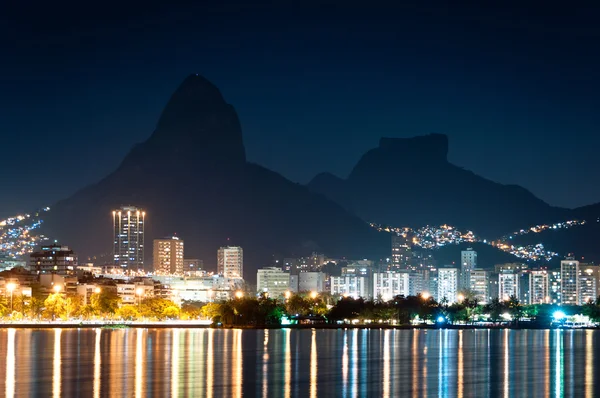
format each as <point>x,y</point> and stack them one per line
<point>128,229</point>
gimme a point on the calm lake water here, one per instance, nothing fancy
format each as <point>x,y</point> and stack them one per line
<point>299,363</point>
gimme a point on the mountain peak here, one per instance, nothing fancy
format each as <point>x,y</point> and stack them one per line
<point>431,146</point>
<point>196,122</point>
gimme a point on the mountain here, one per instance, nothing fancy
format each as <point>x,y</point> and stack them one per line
<point>192,178</point>
<point>410,182</point>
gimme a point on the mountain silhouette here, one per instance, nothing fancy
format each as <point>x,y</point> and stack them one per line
<point>192,178</point>
<point>409,182</point>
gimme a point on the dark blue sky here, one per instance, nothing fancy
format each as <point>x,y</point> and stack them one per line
<point>516,89</point>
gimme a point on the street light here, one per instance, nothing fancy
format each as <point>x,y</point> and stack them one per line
<point>288,294</point>
<point>97,290</point>
<point>425,296</point>
<point>313,295</point>
<point>460,298</point>
<point>57,288</point>
<point>11,287</point>
<point>239,294</point>
<point>139,291</point>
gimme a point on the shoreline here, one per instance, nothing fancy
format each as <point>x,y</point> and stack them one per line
<point>205,325</point>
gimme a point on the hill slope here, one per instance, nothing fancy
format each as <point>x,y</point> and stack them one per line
<point>192,178</point>
<point>409,182</point>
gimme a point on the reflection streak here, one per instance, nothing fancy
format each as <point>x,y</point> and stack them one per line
<point>265,367</point>
<point>237,355</point>
<point>506,367</point>
<point>589,363</point>
<point>10,363</point>
<point>288,365</point>
<point>345,365</point>
<point>386,363</point>
<point>460,369</point>
<point>313,365</point>
<point>56,376</point>
<point>175,363</point>
<point>209,364</point>
<point>139,363</point>
<point>97,361</point>
<point>354,363</point>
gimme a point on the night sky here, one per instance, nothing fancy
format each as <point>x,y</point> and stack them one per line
<point>516,89</point>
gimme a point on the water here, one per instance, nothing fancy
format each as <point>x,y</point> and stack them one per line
<point>299,363</point>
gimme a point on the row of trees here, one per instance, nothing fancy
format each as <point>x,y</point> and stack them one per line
<point>265,311</point>
<point>103,305</point>
<point>399,311</point>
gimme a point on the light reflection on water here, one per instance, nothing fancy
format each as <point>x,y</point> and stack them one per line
<point>299,363</point>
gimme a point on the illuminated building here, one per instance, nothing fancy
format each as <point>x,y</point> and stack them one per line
<point>128,242</point>
<point>479,283</point>
<point>230,262</point>
<point>554,286</point>
<point>569,281</point>
<point>387,285</point>
<point>273,281</point>
<point>350,285</point>
<point>400,252</point>
<point>508,284</point>
<point>168,256</point>
<point>447,284</point>
<point>468,262</point>
<point>588,283</point>
<point>538,287</point>
<point>56,259</point>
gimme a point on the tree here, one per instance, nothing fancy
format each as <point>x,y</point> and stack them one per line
<point>55,306</point>
<point>495,309</point>
<point>128,312</point>
<point>171,312</point>
<point>297,305</point>
<point>72,306</point>
<point>211,310</point>
<point>515,309</point>
<point>106,302</point>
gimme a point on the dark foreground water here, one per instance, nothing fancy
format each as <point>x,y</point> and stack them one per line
<point>299,363</point>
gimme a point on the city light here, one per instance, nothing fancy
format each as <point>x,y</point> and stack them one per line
<point>441,319</point>
<point>97,290</point>
<point>288,294</point>
<point>313,295</point>
<point>559,315</point>
<point>425,295</point>
<point>57,288</point>
<point>460,298</point>
<point>239,294</point>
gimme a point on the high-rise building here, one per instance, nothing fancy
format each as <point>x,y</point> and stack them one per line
<point>479,283</point>
<point>508,284</point>
<point>588,283</point>
<point>538,287</point>
<point>192,264</point>
<point>168,256</point>
<point>569,281</point>
<point>230,262</point>
<point>350,285</point>
<point>468,262</point>
<point>447,284</point>
<point>272,281</point>
<point>311,282</point>
<point>55,259</point>
<point>554,286</point>
<point>390,284</point>
<point>128,232</point>
<point>468,259</point>
<point>400,252</point>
